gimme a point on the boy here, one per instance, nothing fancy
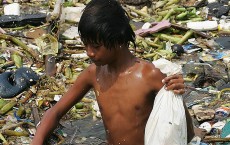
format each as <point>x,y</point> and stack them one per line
<point>125,86</point>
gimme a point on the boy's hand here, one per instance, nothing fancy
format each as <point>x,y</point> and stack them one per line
<point>175,83</point>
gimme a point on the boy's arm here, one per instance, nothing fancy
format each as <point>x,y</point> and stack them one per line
<point>173,82</point>
<point>51,118</point>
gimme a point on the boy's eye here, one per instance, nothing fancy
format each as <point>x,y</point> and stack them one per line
<point>96,45</point>
<point>92,45</point>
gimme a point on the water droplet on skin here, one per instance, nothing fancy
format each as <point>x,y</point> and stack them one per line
<point>119,143</point>
<point>139,75</point>
<point>128,72</point>
<point>97,79</point>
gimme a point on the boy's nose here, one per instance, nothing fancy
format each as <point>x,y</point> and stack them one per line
<point>90,52</point>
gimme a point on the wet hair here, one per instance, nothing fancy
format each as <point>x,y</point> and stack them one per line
<point>105,22</point>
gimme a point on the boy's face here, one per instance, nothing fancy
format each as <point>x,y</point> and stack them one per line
<point>99,54</point>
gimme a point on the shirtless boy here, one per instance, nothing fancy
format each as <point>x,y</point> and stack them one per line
<point>125,86</point>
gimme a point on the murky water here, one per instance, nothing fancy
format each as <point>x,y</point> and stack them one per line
<point>87,131</point>
<point>84,132</point>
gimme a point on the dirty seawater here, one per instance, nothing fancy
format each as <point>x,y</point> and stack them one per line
<point>85,131</point>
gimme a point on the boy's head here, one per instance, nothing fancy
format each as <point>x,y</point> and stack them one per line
<point>105,22</point>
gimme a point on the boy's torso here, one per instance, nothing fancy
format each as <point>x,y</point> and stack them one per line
<point>125,101</point>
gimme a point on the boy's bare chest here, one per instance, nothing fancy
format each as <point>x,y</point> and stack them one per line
<point>119,85</point>
<point>122,93</point>
<point>128,90</point>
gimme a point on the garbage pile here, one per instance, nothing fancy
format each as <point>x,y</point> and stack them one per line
<point>41,55</point>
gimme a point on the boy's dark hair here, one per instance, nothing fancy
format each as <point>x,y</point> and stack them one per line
<point>105,22</point>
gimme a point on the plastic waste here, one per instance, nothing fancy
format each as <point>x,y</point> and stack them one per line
<point>223,111</point>
<point>149,28</point>
<point>48,44</point>
<point>207,126</point>
<point>223,42</point>
<point>12,9</point>
<point>217,9</point>
<point>71,33</point>
<point>71,14</point>
<point>203,26</point>
<point>225,130</point>
<point>203,114</point>
<point>12,21</point>
<point>189,48</point>
<point>224,26</point>
<point>195,141</point>
<point>96,108</point>
<point>167,122</point>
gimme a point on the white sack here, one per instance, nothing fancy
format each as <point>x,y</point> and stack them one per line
<point>167,122</point>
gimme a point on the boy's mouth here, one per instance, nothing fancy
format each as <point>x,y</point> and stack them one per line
<point>94,61</point>
<point>97,63</point>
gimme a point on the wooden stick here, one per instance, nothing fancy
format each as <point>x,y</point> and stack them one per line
<point>7,64</point>
<point>27,97</point>
<point>209,140</point>
<point>35,115</point>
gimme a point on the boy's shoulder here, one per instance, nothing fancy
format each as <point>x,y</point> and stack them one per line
<point>148,65</point>
<point>152,75</point>
<point>89,71</point>
<point>149,70</point>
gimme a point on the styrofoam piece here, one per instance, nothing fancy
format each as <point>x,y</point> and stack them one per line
<point>146,25</point>
<point>71,33</point>
<point>203,25</point>
<point>219,125</point>
<point>72,14</point>
<point>12,9</point>
<point>207,126</point>
<point>212,1</point>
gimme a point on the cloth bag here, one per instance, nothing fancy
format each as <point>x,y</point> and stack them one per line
<point>167,122</point>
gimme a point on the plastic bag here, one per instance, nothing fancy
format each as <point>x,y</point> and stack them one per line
<point>167,122</point>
